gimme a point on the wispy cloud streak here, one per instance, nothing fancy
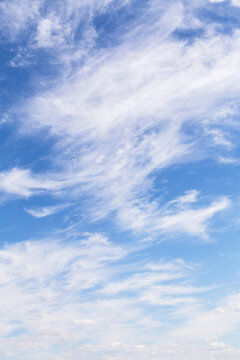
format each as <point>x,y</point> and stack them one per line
<point>162,87</point>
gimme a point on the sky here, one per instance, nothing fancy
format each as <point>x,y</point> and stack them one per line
<point>119,179</point>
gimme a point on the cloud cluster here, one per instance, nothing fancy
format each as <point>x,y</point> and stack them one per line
<point>124,114</point>
<point>174,217</point>
<point>84,301</point>
<point>74,296</point>
<point>44,18</point>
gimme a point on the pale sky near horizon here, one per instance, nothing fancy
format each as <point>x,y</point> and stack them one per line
<point>119,180</point>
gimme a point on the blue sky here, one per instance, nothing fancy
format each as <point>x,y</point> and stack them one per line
<point>119,179</point>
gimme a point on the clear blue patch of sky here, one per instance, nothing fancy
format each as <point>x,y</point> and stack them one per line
<point>232,338</point>
<point>188,35</point>
<point>24,151</point>
<point>19,82</point>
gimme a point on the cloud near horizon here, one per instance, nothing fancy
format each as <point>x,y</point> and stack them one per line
<point>84,293</point>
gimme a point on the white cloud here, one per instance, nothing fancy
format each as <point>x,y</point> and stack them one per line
<point>76,296</point>
<point>16,16</point>
<point>45,211</point>
<point>219,138</point>
<point>236,2</point>
<point>192,221</point>
<point>57,286</point>
<point>146,101</point>
<point>21,182</point>
<point>26,15</point>
<point>171,218</point>
<point>215,322</point>
<point>228,160</point>
<point>84,322</point>
<point>189,197</point>
<point>119,119</point>
<point>50,32</point>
